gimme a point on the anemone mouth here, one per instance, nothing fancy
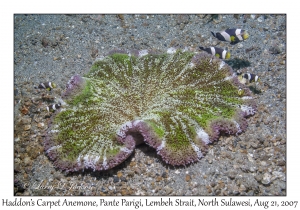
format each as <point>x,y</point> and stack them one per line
<point>177,103</point>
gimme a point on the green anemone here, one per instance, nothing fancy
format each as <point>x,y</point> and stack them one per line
<point>177,96</point>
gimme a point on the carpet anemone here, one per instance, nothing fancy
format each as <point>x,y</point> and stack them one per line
<point>177,102</point>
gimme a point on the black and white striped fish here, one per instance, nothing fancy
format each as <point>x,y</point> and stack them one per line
<point>218,52</point>
<point>46,85</point>
<point>231,35</point>
<point>249,78</point>
<point>53,107</point>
